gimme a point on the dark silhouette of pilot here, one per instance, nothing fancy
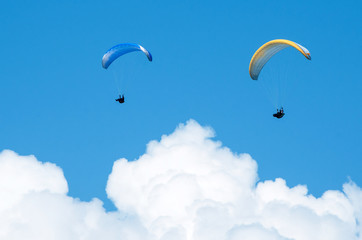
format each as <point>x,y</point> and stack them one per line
<point>280,113</point>
<point>120,99</point>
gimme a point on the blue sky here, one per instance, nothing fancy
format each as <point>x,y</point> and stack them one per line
<point>57,102</point>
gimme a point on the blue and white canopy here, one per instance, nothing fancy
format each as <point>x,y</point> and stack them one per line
<point>121,49</point>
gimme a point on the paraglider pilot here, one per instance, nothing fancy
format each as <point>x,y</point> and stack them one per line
<point>280,113</point>
<point>120,99</point>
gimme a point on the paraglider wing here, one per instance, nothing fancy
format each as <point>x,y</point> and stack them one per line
<point>121,49</point>
<point>268,50</point>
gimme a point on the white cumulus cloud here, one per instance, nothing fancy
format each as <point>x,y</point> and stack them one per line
<point>188,186</point>
<point>184,187</point>
<point>34,206</point>
<point>20,175</point>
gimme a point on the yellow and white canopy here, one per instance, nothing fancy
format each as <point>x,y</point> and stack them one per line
<point>269,49</point>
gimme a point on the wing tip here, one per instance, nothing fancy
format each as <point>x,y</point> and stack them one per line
<point>149,57</point>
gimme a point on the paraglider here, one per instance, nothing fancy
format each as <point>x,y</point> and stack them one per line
<point>119,50</point>
<point>266,52</point>
<point>279,114</point>
<point>120,99</point>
